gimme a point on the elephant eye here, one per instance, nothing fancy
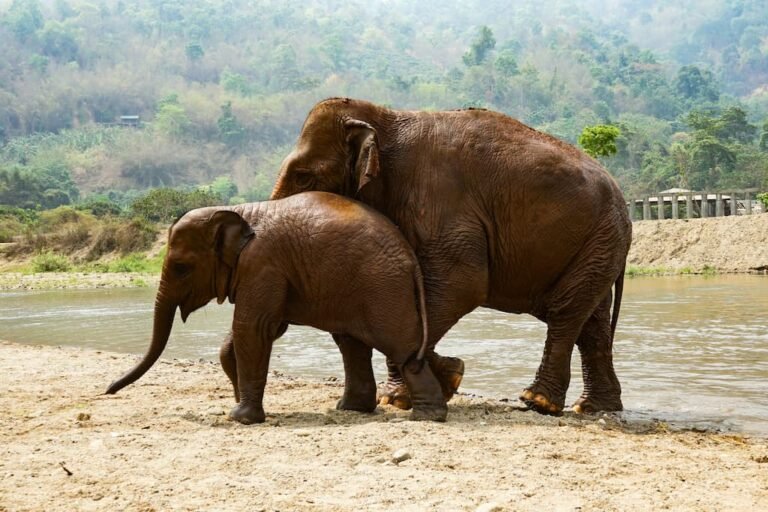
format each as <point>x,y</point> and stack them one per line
<point>181,269</point>
<point>305,179</point>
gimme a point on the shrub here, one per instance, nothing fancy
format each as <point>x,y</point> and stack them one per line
<point>49,261</point>
<point>763,198</point>
<point>122,237</point>
<point>167,204</point>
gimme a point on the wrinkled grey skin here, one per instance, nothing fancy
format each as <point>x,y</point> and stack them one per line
<point>499,215</point>
<point>314,259</point>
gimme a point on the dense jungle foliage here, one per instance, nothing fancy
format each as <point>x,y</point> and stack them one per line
<point>221,88</point>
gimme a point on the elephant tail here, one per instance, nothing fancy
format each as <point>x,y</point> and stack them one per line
<point>617,301</point>
<point>419,284</point>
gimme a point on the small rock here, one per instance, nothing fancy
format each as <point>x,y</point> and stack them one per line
<point>489,507</point>
<point>601,422</point>
<point>83,416</point>
<point>400,455</point>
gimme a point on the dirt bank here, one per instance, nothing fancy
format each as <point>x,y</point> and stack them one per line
<point>165,444</point>
<point>724,244</point>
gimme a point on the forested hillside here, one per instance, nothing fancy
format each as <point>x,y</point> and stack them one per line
<point>221,87</point>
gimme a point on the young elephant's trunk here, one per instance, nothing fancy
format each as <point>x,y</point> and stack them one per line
<point>163,322</point>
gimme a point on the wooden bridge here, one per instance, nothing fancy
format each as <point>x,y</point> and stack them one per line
<point>686,204</point>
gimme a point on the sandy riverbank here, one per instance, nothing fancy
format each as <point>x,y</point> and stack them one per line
<point>725,244</point>
<point>165,444</point>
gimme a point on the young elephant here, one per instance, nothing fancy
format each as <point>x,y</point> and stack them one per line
<point>313,259</point>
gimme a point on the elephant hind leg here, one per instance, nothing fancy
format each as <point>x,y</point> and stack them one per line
<point>578,300</point>
<point>449,371</point>
<point>602,391</point>
<point>425,391</point>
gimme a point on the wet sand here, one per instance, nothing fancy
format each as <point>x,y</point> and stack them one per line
<point>165,443</point>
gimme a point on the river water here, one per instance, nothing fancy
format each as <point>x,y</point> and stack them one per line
<point>692,351</point>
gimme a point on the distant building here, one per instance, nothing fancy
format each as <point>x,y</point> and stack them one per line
<point>130,121</point>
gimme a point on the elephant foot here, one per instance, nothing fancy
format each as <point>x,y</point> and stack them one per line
<point>247,414</point>
<point>449,372</point>
<point>359,405</point>
<point>588,404</point>
<point>435,413</point>
<point>395,392</point>
<point>540,403</point>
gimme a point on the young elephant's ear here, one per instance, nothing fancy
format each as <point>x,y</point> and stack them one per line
<point>364,151</point>
<point>232,232</point>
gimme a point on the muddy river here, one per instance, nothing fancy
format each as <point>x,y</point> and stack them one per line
<point>692,351</point>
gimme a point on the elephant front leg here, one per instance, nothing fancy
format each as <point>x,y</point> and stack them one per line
<point>253,347</point>
<point>229,363</point>
<point>359,381</point>
<point>394,391</point>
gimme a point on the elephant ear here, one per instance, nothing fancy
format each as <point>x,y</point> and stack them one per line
<point>232,232</point>
<point>364,150</point>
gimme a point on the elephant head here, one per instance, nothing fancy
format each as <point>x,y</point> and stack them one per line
<point>338,150</point>
<point>203,248</point>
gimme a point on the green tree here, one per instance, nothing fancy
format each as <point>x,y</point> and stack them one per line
<point>24,18</point>
<point>732,125</point>
<point>194,52</point>
<point>59,42</point>
<point>171,118</point>
<point>763,145</point>
<point>223,187</point>
<point>695,84</point>
<point>599,140</point>
<point>231,132</point>
<point>506,63</point>
<point>478,50</point>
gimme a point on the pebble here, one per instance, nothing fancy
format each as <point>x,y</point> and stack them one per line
<point>400,455</point>
<point>489,507</point>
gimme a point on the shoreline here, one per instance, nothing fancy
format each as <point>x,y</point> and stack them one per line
<point>165,443</point>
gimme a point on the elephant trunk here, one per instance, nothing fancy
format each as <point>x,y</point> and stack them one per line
<point>165,311</point>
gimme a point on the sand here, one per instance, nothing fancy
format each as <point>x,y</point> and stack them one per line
<point>165,443</point>
<point>725,244</point>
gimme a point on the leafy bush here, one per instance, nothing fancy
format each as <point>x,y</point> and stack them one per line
<point>99,207</point>
<point>49,261</point>
<point>763,198</point>
<point>168,204</point>
<point>121,237</point>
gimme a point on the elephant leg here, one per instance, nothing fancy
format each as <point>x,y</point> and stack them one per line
<point>426,393</point>
<point>602,391</point>
<point>229,363</point>
<point>394,391</point>
<point>448,371</point>
<point>253,347</point>
<point>359,381</point>
<point>449,297</point>
<point>574,300</point>
<point>547,392</point>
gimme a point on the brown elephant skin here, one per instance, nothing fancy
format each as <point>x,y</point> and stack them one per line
<point>499,215</point>
<point>314,259</point>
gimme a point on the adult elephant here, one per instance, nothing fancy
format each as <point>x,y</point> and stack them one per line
<point>499,215</point>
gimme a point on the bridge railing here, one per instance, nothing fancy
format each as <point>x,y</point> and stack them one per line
<point>694,205</point>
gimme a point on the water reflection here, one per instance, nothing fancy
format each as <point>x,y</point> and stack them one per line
<point>688,349</point>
